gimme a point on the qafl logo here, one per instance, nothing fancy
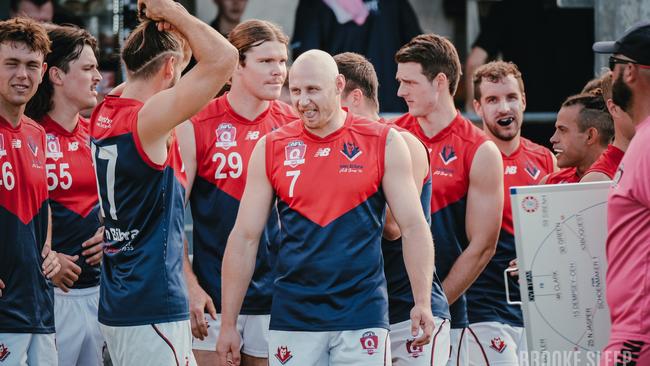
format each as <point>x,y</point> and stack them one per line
<point>283,354</point>
<point>3,151</point>
<point>413,350</point>
<point>226,136</point>
<point>294,153</point>
<point>369,342</point>
<point>530,204</point>
<point>53,147</point>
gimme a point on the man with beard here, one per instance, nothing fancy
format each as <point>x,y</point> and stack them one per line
<point>605,167</point>
<point>583,130</point>
<point>628,211</point>
<point>496,328</point>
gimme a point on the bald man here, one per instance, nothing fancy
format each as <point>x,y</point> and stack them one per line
<point>332,174</point>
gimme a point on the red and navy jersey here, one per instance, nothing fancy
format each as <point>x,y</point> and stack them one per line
<point>451,154</point>
<point>400,293</point>
<point>73,193</point>
<point>329,268</point>
<point>608,162</point>
<point>143,208</point>
<point>224,143</point>
<point>566,175</point>
<point>486,298</point>
<point>27,301</point>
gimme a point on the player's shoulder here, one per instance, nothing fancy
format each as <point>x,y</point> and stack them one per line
<point>468,131</point>
<point>214,109</point>
<point>32,126</point>
<point>282,111</point>
<point>364,126</point>
<point>404,121</point>
<point>288,131</point>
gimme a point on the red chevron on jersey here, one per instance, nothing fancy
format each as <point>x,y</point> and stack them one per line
<point>303,168</point>
<point>22,168</point>
<point>526,166</point>
<point>225,141</point>
<point>608,162</point>
<point>69,167</point>
<point>567,175</point>
<point>451,154</point>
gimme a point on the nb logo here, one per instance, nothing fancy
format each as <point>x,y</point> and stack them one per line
<point>253,135</point>
<point>323,151</point>
<point>511,170</point>
<point>73,146</point>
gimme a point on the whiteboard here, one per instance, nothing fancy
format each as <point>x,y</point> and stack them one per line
<point>560,233</point>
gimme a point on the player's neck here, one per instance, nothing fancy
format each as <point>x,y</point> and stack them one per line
<point>141,90</point>
<point>367,113</point>
<point>640,110</point>
<point>619,140</point>
<point>337,121</point>
<point>591,157</point>
<point>65,114</point>
<point>245,104</point>
<point>438,119</point>
<point>11,113</point>
<point>507,148</point>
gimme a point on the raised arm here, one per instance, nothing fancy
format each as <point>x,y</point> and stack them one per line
<point>241,251</point>
<point>216,59</point>
<point>402,196</point>
<point>482,220</point>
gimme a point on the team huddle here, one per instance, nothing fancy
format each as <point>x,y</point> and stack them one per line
<point>314,224</point>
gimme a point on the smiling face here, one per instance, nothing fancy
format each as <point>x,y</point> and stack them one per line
<point>569,143</point>
<point>418,92</point>
<point>315,87</point>
<point>79,84</point>
<point>264,70</point>
<point>501,107</point>
<point>21,70</point>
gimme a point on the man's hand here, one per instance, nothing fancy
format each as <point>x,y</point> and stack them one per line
<point>513,264</point>
<point>422,318</point>
<point>69,272</point>
<point>94,247</point>
<point>200,302</point>
<point>228,346</point>
<point>2,286</point>
<point>156,10</point>
<point>51,263</point>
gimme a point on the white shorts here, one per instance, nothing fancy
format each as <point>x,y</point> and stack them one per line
<point>363,347</point>
<point>152,344</point>
<point>26,349</point>
<point>253,330</point>
<point>435,353</point>
<point>78,338</point>
<point>493,343</point>
<point>458,354</point>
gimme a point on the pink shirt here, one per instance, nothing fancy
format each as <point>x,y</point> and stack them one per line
<point>628,241</point>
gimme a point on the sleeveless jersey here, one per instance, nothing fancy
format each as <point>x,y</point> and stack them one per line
<point>143,207</point>
<point>566,175</point>
<point>486,298</point>
<point>27,301</point>
<point>451,152</point>
<point>400,293</point>
<point>73,193</point>
<point>608,162</point>
<point>224,143</point>
<point>329,269</point>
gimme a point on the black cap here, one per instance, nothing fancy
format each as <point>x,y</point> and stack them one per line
<point>635,44</point>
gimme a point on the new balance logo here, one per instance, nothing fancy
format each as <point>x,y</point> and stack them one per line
<point>511,170</point>
<point>253,135</point>
<point>323,151</point>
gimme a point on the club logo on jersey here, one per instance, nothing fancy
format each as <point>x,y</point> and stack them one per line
<point>532,170</point>
<point>3,151</point>
<point>530,204</point>
<point>283,354</point>
<point>498,344</point>
<point>4,350</point>
<point>226,135</point>
<point>351,150</point>
<point>369,342</point>
<point>53,147</point>
<point>252,135</point>
<point>294,153</point>
<point>413,351</point>
<point>448,154</point>
<point>32,145</point>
